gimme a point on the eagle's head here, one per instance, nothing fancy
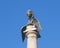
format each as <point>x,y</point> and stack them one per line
<point>30,14</point>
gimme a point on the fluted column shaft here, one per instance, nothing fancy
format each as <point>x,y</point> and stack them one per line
<point>31,39</point>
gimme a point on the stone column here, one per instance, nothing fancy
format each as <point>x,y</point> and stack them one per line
<point>31,37</point>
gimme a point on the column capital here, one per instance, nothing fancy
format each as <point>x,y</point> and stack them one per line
<point>31,31</point>
<point>31,34</point>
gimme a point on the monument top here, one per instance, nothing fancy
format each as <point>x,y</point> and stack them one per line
<point>33,25</point>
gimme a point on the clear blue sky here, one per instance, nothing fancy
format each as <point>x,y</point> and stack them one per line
<point>13,17</point>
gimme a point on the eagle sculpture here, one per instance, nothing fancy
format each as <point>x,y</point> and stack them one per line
<point>31,21</point>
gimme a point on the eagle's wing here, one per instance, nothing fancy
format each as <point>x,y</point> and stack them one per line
<point>23,34</point>
<point>36,23</point>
